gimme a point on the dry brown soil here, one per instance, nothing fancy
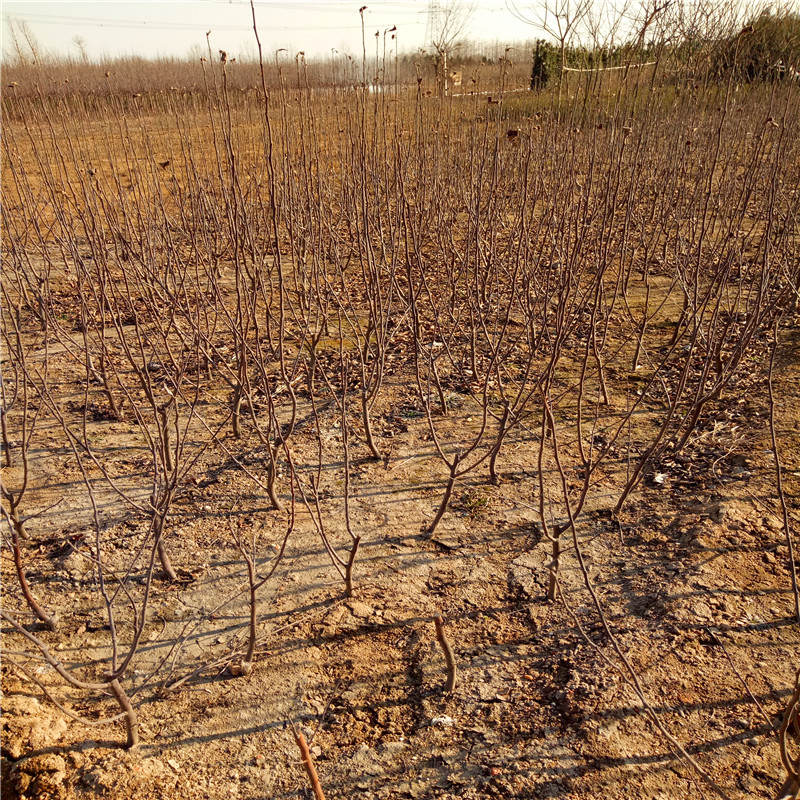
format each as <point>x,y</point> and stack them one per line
<point>694,582</point>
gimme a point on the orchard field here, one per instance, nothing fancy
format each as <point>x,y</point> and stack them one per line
<point>455,433</point>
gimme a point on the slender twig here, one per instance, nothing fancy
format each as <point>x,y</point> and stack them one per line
<point>449,656</point>
<point>308,763</point>
<point>779,476</point>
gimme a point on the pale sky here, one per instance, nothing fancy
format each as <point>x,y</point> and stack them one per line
<point>173,27</point>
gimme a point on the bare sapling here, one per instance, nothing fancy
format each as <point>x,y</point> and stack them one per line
<point>111,683</point>
<point>345,567</point>
<point>26,419</point>
<point>779,474</point>
<point>50,620</point>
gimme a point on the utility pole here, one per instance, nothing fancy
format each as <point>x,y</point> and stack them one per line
<point>432,26</point>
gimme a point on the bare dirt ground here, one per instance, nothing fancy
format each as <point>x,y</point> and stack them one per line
<point>694,579</point>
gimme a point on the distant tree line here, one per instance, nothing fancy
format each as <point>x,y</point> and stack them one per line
<point>766,49</point>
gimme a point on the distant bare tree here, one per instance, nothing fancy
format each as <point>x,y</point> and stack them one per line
<point>559,19</point>
<point>446,30</point>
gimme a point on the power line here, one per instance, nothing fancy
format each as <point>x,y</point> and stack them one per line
<point>58,19</point>
<point>166,26</point>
